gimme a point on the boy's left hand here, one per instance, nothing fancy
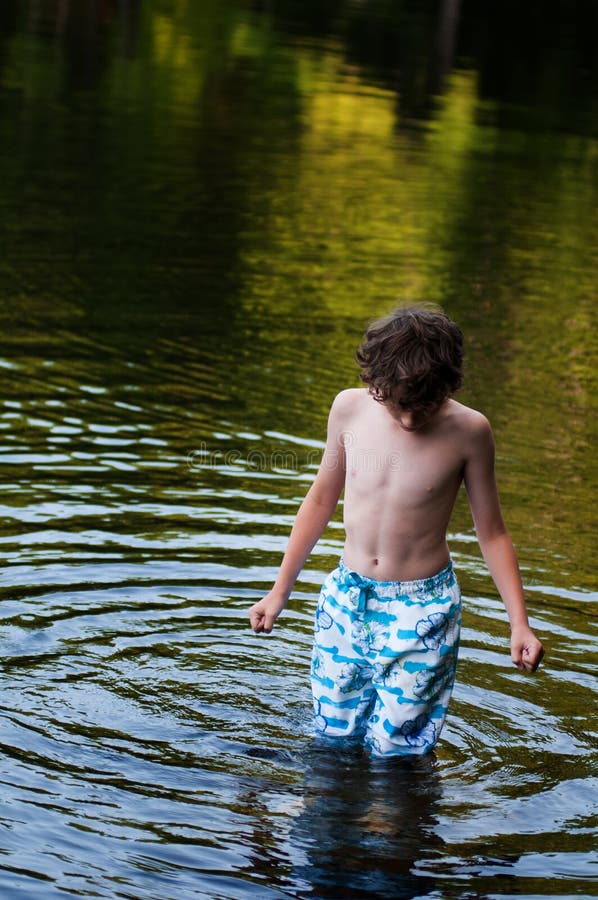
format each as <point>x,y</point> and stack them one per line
<point>526,649</point>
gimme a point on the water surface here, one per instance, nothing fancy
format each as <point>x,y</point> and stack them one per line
<point>202,206</point>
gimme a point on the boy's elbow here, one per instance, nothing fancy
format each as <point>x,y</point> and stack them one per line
<point>326,500</point>
<point>488,538</point>
<point>489,523</point>
<point>324,496</point>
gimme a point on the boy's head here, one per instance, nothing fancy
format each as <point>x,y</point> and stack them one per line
<point>412,359</point>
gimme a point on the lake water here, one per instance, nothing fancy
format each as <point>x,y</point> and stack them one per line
<point>202,205</point>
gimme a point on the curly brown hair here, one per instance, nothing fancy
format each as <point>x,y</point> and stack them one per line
<point>412,359</point>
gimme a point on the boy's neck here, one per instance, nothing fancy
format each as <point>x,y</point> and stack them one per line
<point>408,421</point>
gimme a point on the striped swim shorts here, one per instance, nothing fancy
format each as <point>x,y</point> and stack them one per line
<point>384,659</point>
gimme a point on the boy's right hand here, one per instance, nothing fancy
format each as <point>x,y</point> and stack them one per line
<point>263,614</point>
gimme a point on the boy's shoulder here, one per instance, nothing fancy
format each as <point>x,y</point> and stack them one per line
<point>468,421</point>
<point>349,401</point>
<point>468,416</point>
<point>350,397</point>
<point>471,424</point>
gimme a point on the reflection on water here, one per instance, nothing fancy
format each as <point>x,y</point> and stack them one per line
<point>202,206</point>
<point>364,826</point>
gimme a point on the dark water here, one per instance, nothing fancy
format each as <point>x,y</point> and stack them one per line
<point>202,204</point>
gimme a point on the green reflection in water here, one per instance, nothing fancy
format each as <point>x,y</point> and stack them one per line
<point>202,207</point>
<point>202,190</point>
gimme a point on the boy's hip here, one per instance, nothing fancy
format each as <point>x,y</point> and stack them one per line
<point>345,589</point>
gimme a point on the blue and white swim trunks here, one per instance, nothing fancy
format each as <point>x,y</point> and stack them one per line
<point>384,659</point>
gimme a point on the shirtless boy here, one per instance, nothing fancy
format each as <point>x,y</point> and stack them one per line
<point>388,617</point>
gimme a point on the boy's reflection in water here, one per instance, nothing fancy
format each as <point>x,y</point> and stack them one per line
<point>365,823</point>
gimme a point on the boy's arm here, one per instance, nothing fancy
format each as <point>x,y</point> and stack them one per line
<point>496,545</point>
<point>312,518</point>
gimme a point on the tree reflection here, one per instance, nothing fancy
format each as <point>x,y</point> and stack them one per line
<point>251,182</point>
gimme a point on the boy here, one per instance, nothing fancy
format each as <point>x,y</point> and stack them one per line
<point>388,618</point>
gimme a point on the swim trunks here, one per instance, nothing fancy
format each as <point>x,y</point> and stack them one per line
<point>384,659</point>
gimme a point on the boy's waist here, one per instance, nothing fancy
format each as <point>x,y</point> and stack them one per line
<point>353,578</point>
